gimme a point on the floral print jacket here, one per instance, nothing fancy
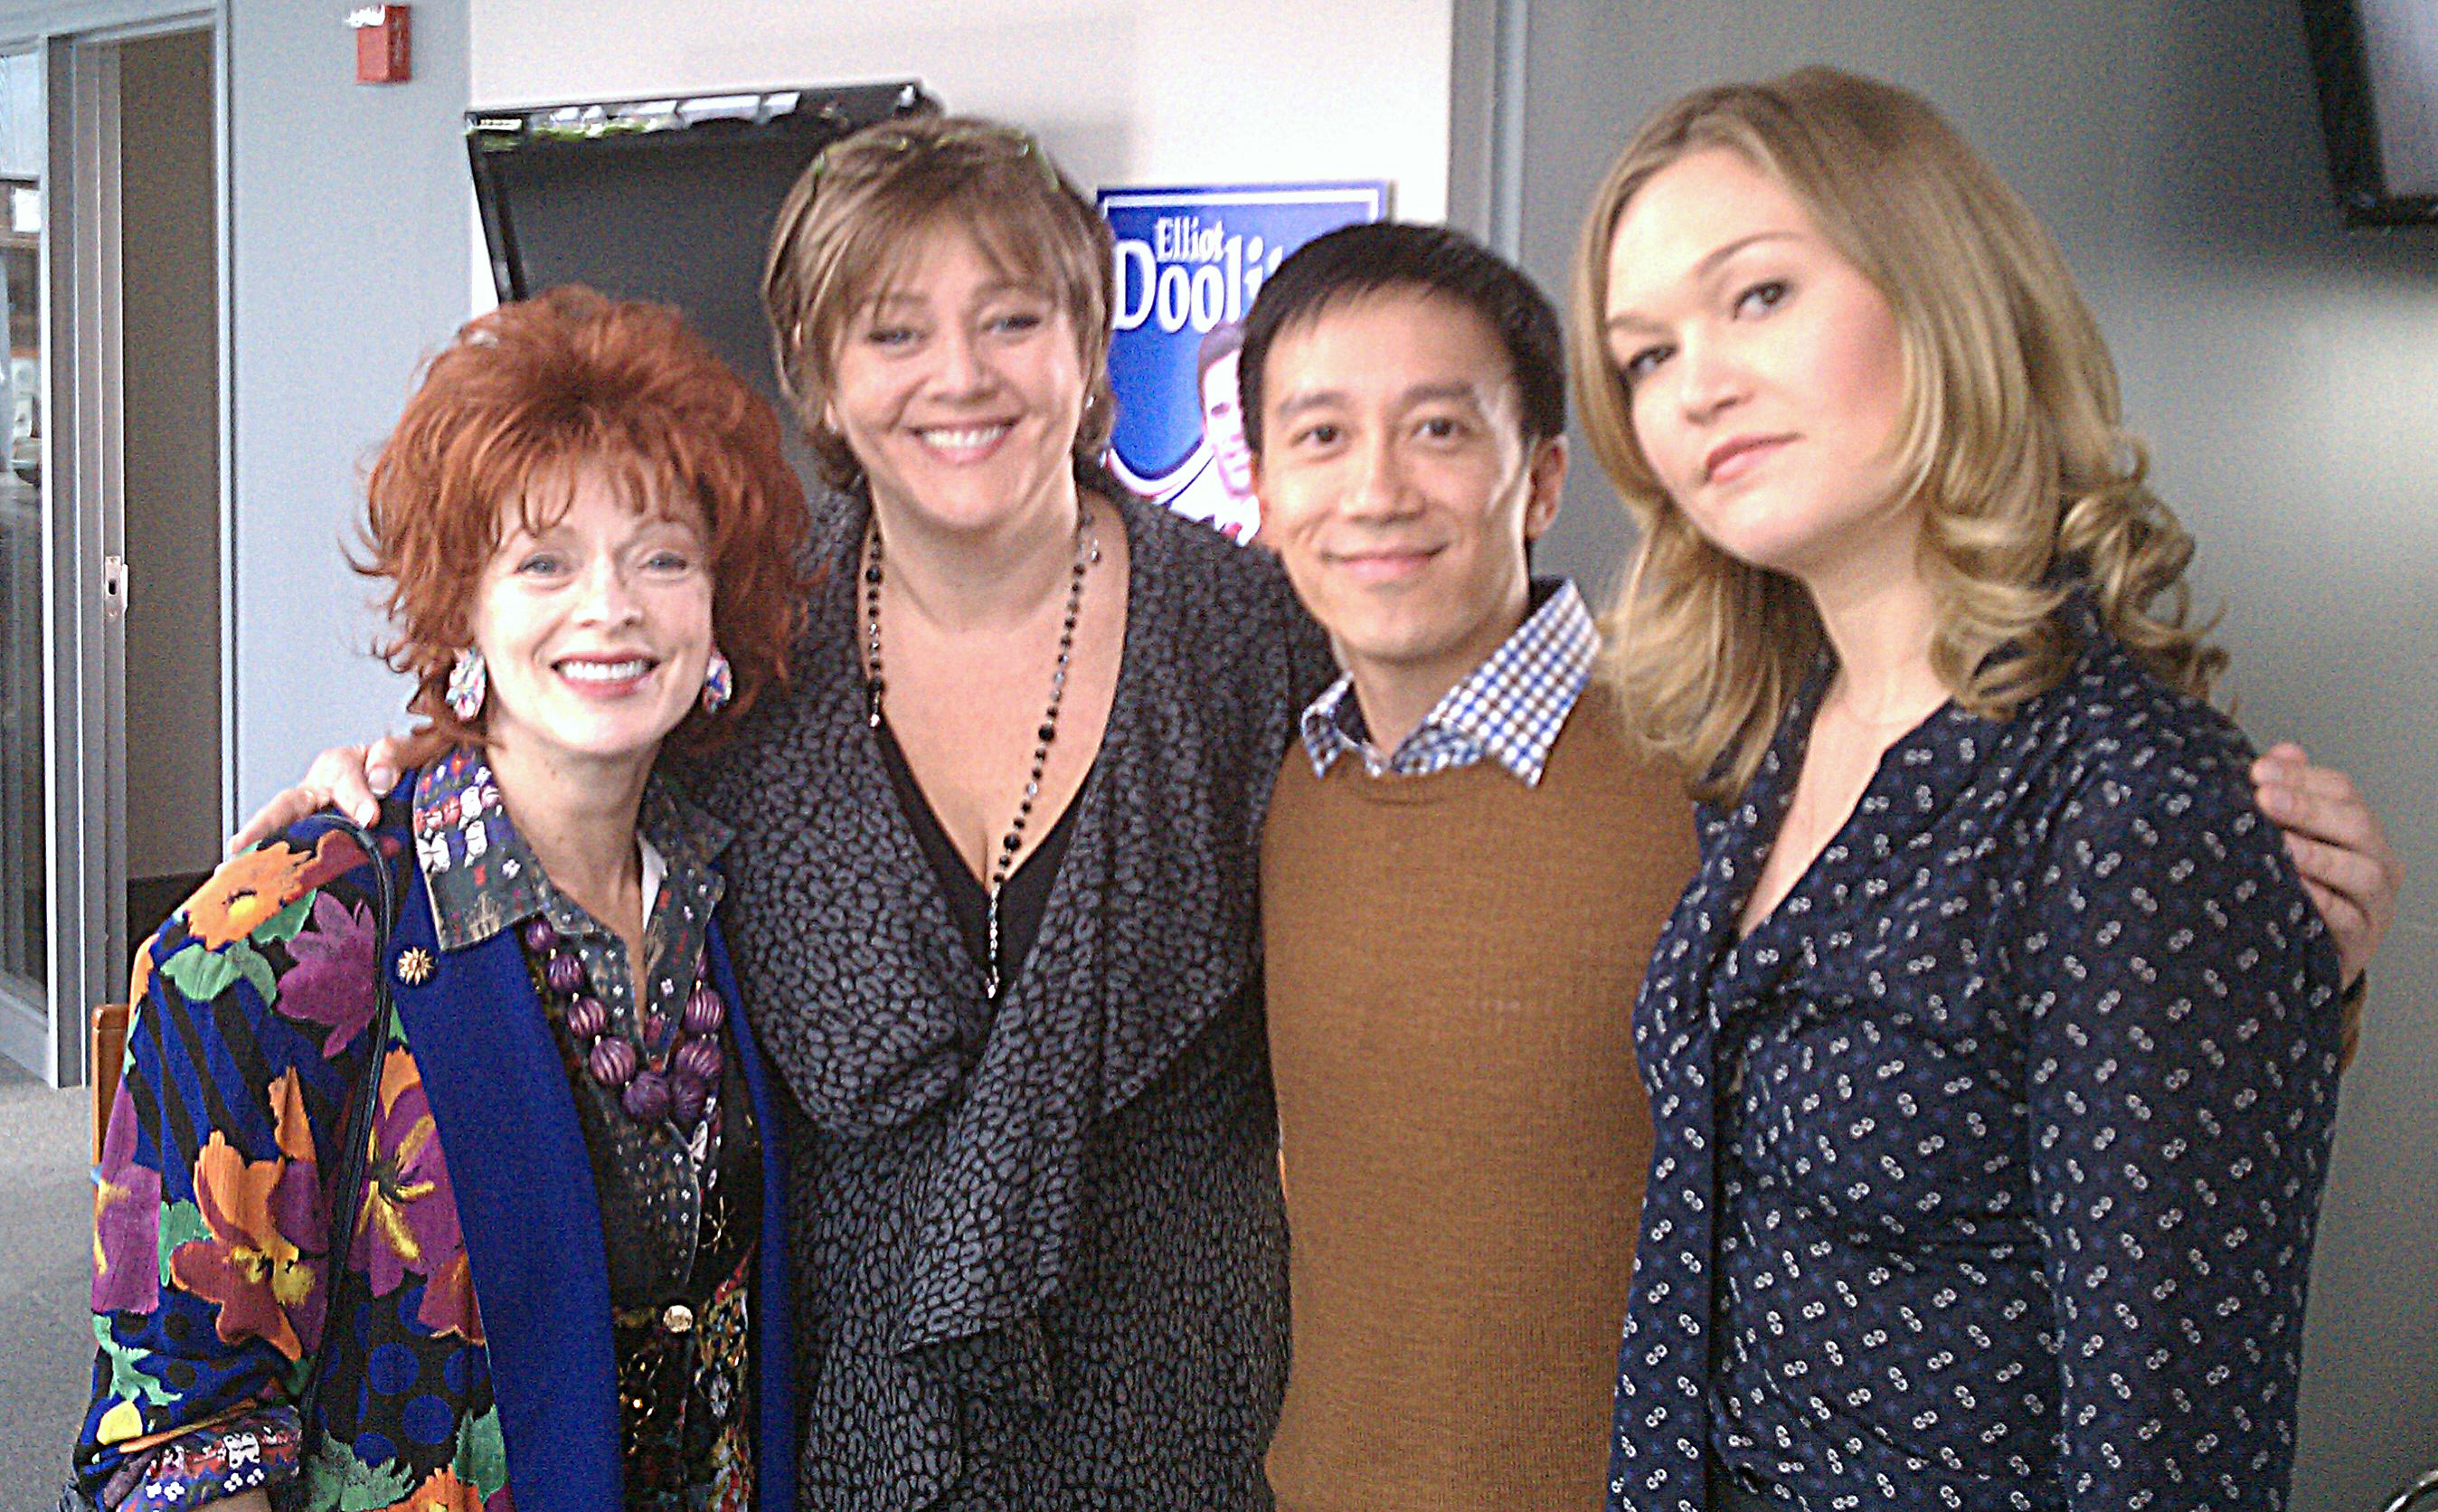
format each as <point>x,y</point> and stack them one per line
<point>470,1341</point>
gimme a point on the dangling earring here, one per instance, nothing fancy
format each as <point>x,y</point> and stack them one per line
<point>468,681</point>
<point>718,684</point>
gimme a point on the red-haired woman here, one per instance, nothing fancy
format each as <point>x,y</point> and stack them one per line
<point>587,527</point>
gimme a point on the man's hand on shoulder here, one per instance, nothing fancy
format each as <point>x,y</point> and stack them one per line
<point>2337,845</point>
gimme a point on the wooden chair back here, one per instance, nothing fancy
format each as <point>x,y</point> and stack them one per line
<point>109,1058</point>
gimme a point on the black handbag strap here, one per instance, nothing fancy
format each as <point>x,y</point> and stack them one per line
<point>355,1158</point>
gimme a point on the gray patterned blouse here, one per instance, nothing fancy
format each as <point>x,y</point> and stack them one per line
<point>1041,1246</point>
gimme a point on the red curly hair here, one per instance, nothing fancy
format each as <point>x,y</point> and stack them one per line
<point>510,412</point>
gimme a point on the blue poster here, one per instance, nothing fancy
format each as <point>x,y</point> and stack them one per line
<point>1189,262</point>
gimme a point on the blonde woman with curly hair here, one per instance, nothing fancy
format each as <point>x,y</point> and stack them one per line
<point>1994,1048</point>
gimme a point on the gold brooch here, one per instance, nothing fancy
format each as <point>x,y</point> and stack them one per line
<point>414,966</point>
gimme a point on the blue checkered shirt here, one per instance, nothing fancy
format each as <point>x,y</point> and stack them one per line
<point>1510,710</point>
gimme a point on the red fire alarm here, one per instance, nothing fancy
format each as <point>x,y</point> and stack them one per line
<point>382,52</point>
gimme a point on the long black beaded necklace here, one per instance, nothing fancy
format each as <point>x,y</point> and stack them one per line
<point>1087,554</point>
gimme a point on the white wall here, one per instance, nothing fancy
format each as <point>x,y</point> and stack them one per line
<point>1157,92</point>
<point>352,215</point>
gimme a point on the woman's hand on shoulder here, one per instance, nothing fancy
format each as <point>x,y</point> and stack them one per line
<point>348,777</point>
<point>2337,845</point>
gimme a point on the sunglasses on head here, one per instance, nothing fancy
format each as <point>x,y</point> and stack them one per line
<point>990,143</point>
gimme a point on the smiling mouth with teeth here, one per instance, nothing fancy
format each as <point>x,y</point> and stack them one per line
<point>965,439</point>
<point>605,671</point>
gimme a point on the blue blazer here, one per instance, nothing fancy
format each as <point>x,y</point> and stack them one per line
<point>532,1224</point>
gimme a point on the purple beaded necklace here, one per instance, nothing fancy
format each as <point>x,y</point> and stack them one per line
<point>682,1084</point>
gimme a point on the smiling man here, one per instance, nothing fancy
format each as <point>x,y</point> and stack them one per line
<point>1465,868</point>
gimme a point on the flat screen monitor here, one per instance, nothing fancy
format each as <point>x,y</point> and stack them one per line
<point>669,200</point>
<point>2376,65</point>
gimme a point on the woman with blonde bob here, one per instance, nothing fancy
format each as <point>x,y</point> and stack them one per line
<point>1017,799</point>
<point>1994,1048</point>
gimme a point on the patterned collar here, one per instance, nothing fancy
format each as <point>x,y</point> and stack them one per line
<point>1509,709</point>
<point>482,876</point>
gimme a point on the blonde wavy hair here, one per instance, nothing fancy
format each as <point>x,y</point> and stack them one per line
<point>864,210</point>
<point>2011,436</point>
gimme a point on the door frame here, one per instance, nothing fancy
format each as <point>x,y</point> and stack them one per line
<point>85,627</point>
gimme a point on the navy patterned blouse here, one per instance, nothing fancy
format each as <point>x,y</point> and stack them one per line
<point>1988,1163</point>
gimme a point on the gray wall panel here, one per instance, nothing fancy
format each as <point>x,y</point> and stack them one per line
<point>351,234</point>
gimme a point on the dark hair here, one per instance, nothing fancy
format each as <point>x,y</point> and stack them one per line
<point>1220,340</point>
<point>1365,259</point>
<point>506,416</point>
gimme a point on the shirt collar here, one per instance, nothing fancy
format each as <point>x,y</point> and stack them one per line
<point>483,877</point>
<point>1508,709</point>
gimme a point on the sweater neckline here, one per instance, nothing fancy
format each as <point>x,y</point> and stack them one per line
<point>1444,785</point>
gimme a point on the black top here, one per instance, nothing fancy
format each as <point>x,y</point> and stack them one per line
<point>1040,1245</point>
<point>1988,1163</point>
<point>1025,892</point>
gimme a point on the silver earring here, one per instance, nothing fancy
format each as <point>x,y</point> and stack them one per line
<point>718,684</point>
<point>468,681</point>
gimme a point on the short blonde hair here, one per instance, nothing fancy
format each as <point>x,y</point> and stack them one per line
<point>862,210</point>
<point>2011,434</point>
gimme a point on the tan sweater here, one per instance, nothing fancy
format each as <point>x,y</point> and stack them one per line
<point>1452,964</point>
